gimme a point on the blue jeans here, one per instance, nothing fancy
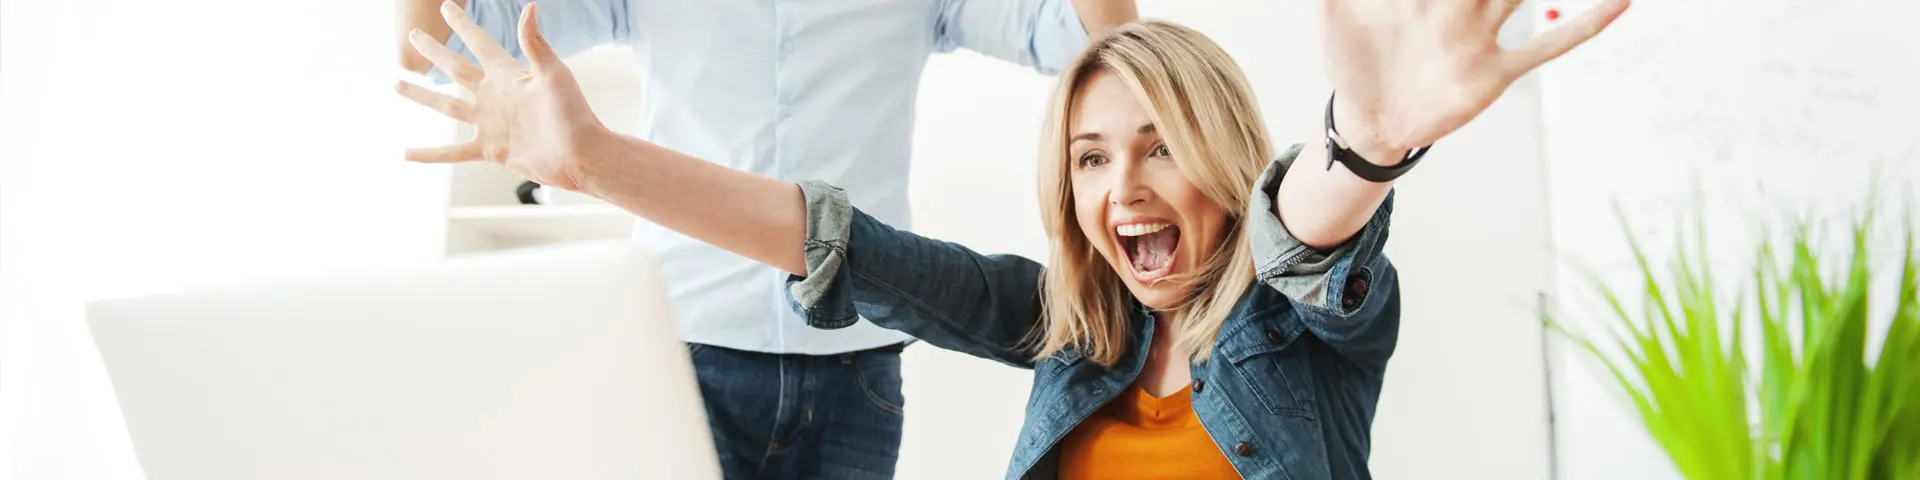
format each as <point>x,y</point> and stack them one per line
<point>802,416</point>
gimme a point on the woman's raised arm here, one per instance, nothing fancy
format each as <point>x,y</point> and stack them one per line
<point>1405,74</point>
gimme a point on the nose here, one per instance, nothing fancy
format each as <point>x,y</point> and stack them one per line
<point>1130,188</point>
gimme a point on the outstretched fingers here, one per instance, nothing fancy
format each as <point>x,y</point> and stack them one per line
<point>463,152</point>
<point>540,54</point>
<point>454,108</point>
<point>443,58</point>
<point>476,38</point>
<point>1561,40</point>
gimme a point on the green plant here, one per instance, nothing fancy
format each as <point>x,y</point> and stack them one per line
<point>1813,406</point>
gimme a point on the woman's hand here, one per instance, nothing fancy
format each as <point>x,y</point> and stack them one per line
<point>531,119</point>
<point>1408,72</point>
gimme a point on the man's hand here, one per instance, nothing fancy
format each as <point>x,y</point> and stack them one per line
<point>1408,72</point>
<point>531,119</point>
<point>422,15</point>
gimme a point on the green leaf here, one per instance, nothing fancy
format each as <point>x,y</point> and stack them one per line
<point>1820,407</point>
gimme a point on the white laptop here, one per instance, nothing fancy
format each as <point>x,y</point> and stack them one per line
<point>545,363</point>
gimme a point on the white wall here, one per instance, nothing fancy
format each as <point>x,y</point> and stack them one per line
<point>151,146</point>
<point>1754,110</point>
<point>1465,395</point>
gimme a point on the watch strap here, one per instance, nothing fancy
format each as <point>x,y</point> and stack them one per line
<point>1338,152</point>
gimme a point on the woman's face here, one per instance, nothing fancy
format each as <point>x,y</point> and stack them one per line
<point>1132,202</point>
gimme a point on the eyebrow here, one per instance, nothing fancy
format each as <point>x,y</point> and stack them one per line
<point>1147,129</point>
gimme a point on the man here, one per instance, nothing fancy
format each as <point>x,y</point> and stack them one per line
<point>818,89</point>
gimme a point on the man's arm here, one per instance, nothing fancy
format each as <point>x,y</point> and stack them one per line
<point>571,25</point>
<point>1100,16</point>
<point>1042,34</point>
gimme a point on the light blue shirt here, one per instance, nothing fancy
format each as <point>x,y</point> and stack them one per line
<point>789,89</point>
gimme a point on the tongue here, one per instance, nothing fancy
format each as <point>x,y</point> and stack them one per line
<point>1154,250</point>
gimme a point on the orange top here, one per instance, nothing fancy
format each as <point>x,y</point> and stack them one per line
<point>1139,436</point>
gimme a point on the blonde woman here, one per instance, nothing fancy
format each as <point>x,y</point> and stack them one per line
<point>1209,312</point>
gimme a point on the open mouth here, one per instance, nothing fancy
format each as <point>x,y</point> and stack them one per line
<point>1148,248</point>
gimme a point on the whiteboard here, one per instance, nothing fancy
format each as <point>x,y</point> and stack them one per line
<point>1739,110</point>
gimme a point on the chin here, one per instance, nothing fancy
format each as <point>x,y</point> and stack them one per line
<point>1159,296</point>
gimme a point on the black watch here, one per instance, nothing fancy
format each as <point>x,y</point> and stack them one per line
<point>1337,151</point>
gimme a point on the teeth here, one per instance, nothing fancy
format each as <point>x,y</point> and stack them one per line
<point>1138,229</point>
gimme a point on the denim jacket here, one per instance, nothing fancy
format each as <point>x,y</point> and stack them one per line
<point>1289,392</point>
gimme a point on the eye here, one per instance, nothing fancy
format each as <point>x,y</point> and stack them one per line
<point>1092,160</point>
<point>1160,150</point>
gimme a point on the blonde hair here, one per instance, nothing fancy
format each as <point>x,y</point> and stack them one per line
<point>1205,112</point>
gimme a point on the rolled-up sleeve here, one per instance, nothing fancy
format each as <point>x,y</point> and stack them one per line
<point>1348,296</point>
<point>939,292</point>
<point>818,296</point>
<point>1041,34</point>
<point>572,26</point>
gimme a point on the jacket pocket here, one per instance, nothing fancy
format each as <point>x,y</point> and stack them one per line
<point>1278,373</point>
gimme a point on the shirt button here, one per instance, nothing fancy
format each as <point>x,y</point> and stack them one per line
<point>1275,337</point>
<point>1199,384</point>
<point>1349,303</point>
<point>1243,449</point>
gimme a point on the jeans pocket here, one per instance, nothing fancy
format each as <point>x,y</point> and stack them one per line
<point>879,376</point>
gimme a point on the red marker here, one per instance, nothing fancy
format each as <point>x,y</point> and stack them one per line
<point>1553,14</point>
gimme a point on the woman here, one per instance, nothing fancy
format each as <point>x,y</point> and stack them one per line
<point>1201,319</point>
